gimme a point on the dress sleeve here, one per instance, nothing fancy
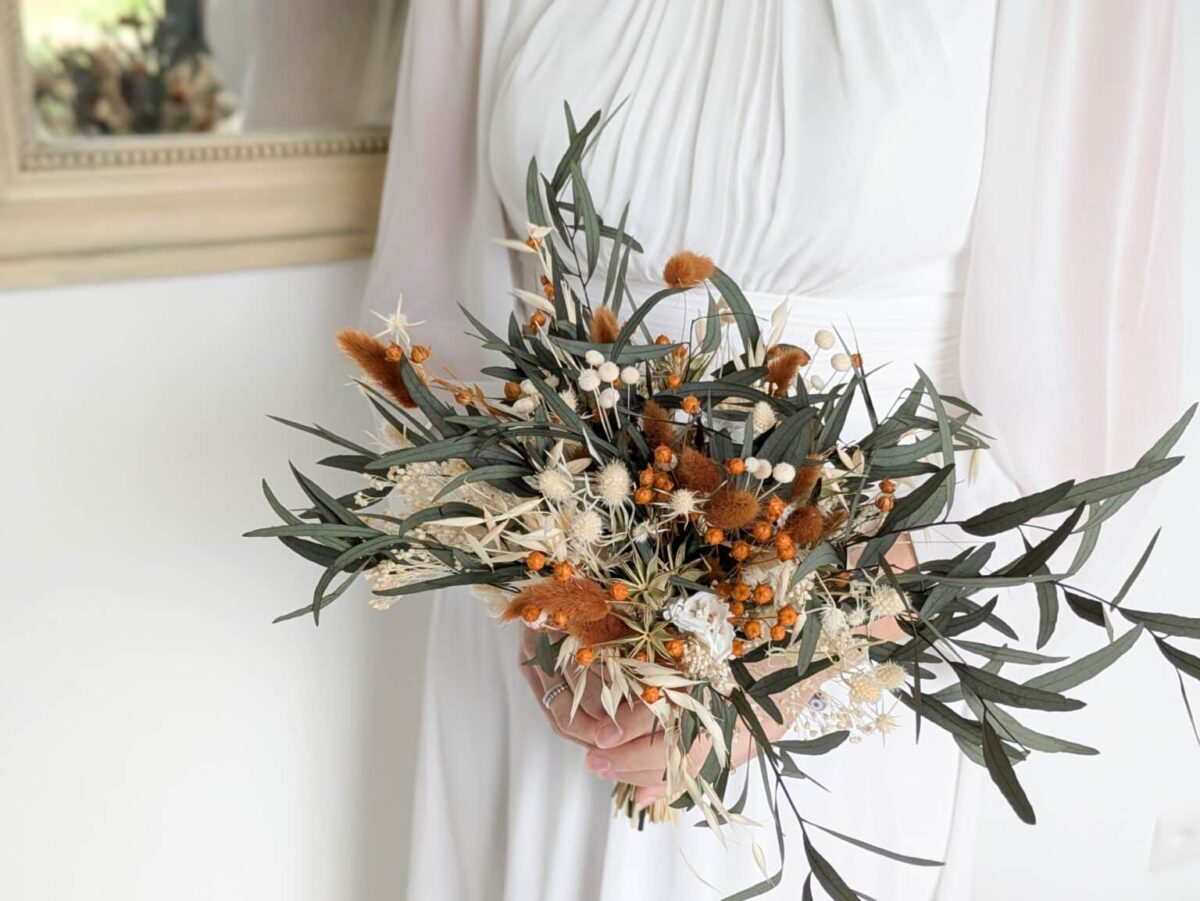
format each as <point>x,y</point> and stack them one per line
<point>1071,322</point>
<point>440,211</point>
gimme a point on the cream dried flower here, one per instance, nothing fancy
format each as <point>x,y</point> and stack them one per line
<point>589,380</point>
<point>763,417</point>
<point>890,676</point>
<point>682,502</point>
<point>555,485</point>
<point>863,688</point>
<point>587,528</point>
<point>613,483</point>
<point>887,601</point>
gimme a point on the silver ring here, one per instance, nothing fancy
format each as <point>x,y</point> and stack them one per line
<point>553,692</point>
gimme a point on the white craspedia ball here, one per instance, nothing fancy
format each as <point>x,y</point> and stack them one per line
<point>609,398</point>
<point>751,464</point>
<point>594,357</point>
<point>630,375</point>
<point>552,381</point>
<point>890,676</point>
<point>783,472</point>
<point>587,527</point>
<point>863,689</point>
<point>555,485</point>
<point>762,469</point>
<point>589,380</point>
<point>887,601</point>
<point>524,405</point>
<point>613,483</point>
<point>609,371</point>
<point>816,382</point>
<point>682,502</point>
<point>842,362</point>
<point>763,417</point>
<point>527,387</point>
<point>825,339</point>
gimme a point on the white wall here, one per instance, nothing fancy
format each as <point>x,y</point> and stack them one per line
<point>159,738</point>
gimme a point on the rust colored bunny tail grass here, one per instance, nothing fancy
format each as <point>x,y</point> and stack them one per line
<point>805,482</point>
<point>698,472</point>
<point>731,508</point>
<point>656,423</point>
<point>584,603</point>
<point>379,362</point>
<point>687,269</point>
<point>782,371</point>
<point>806,525</point>
<point>604,326</point>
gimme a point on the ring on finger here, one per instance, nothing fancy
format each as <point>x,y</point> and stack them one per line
<point>553,692</point>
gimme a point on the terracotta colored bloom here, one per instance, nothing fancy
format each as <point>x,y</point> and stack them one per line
<point>687,269</point>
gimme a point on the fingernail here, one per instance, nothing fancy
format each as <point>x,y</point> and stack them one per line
<point>609,735</point>
<point>598,764</point>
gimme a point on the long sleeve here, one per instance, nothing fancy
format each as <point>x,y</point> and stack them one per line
<point>440,210</point>
<point>1072,314</point>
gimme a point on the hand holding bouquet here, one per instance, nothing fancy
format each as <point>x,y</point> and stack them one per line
<point>697,551</point>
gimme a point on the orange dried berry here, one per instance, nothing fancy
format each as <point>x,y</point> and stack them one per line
<point>714,536</point>
<point>778,633</point>
<point>559,619</point>
<point>787,615</point>
<point>735,466</point>
<point>512,391</point>
<point>420,353</point>
<point>737,608</point>
<point>762,531</point>
<point>548,290</point>
<point>740,550</point>
<point>651,694</point>
<point>640,657</point>
<point>533,242</point>
<point>691,405</point>
<point>674,380</point>
<point>530,613</point>
<point>661,340</point>
<point>585,656</point>
<point>739,647</point>
<point>752,629</point>
<point>563,572</point>
<point>763,593</point>
<point>721,589</point>
<point>537,320</point>
<point>393,353</point>
<point>785,553</point>
<point>887,486</point>
<point>663,482</point>
<point>885,502</point>
<point>783,539</point>
<point>856,359</point>
<point>663,454</point>
<point>741,592</point>
<point>680,352</point>
<point>536,560</point>
<point>675,648</point>
<point>646,477</point>
<point>775,507</point>
<point>618,591</point>
<point>644,495</point>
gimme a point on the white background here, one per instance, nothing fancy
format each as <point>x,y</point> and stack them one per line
<point>160,739</point>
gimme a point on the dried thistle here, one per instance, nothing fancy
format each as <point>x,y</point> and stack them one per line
<point>805,482</point>
<point>376,360</point>
<point>604,326</point>
<point>731,508</point>
<point>686,269</point>
<point>656,424</point>
<point>698,472</point>
<point>806,525</point>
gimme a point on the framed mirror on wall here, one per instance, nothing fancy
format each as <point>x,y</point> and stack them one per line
<point>158,137</point>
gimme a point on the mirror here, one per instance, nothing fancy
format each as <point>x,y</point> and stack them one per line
<point>121,68</point>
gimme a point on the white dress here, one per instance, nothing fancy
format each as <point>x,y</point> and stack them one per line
<point>828,154</point>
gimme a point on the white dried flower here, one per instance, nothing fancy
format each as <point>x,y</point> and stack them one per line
<point>783,472</point>
<point>863,689</point>
<point>816,382</point>
<point>594,357</point>
<point>825,339</point>
<point>682,502</point>
<point>613,483</point>
<point>705,617</point>
<point>568,397</point>
<point>609,371</point>
<point>762,469</point>
<point>763,417</point>
<point>641,532</point>
<point>890,675</point>
<point>555,485</point>
<point>552,381</point>
<point>842,362</point>
<point>524,405</point>
<point>631,375</point>
<point>589,380</point>
<point>885,723</point>
<point>833,620</point>
<point>378,603</point>
<point>887,601</point>
<point>751,464</point>
<point>856,617</point>
<point>528,388</point>
<point>609,398</point>
<point>587,528</point>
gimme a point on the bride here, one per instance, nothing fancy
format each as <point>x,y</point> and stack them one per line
<point>985,181</point>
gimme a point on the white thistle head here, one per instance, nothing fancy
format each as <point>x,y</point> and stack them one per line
<point>555,485</point>
<point>613,483</point>
<point>587,528</point>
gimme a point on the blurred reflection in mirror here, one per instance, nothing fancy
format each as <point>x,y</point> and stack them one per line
<point>142,67</point>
